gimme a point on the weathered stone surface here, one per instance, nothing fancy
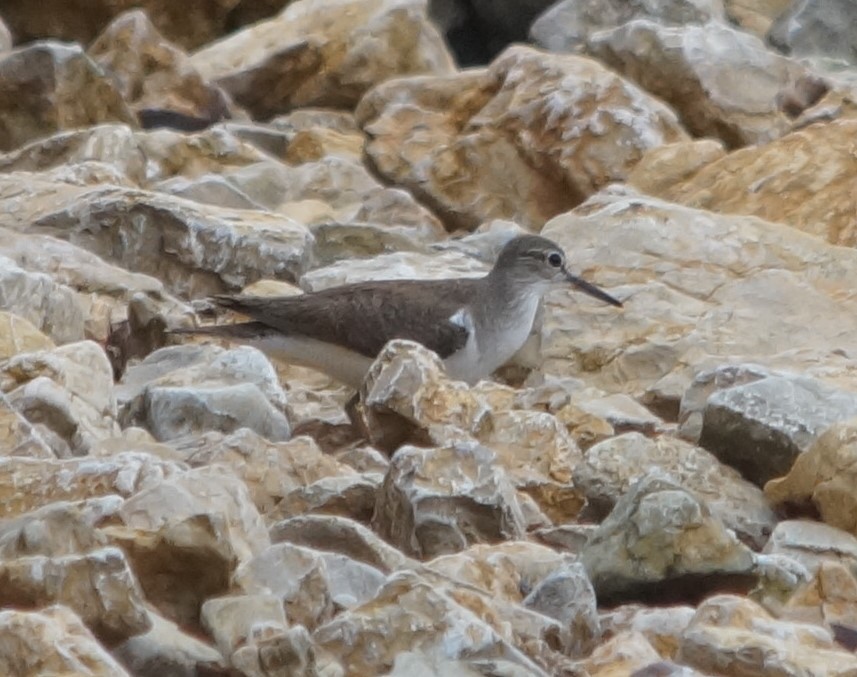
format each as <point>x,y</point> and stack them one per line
<point>761,427</point>
<point>232,620</point>
<point>568,25</point>
<point>187,390</point>
<point>440,500</point>
<point>755,16</point>
<point>353,495</point>
<point>660,541</point>
<point>52,640</point>
<point>339,534</point>
<point>274,651</point>
<point>721,81</point>
<point>18,335</point>
<point>152,73</point>
<point>663,627</point>
<point>99,586</point>
<point>165,649</point>
<point>829,599</point>
<point>820,30</point>
<point>823,476</point>
<point>19,437</point>
<point>49,86</point>
<point>66,393</point>
<point>732,635</point>
<point>544,130</point>
<point>697,286</point>
<point>803,179</point>
<point>323,53</point>
<point>610,468</point>
<point>812,543</point>
<point>672,163</point>
<point>445,629</point>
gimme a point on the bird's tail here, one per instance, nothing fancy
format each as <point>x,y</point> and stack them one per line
<point>244,330</point>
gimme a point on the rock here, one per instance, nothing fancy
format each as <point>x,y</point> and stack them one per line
<point>209,189</point>
<point>51,307</point>
<point>5,37</point>
<point>409,613</point>
<point>568,597</point>
<point>624,654</point>
<point>51,640</point>
<point>661,167</point>
<point>691,305</point>
<point>28,484</point>
<point>166,649</point>
<point>568,25</point>
<point>334,533</point>
<point>18,437</point>
<point>440,500</point>
<point>271,470</point>
<point>429,135</point>
<point>312,55</point>
<point>762,427</point>
<point>829,599</point>
<point>661,542</point>
<point>609,469</point>
<point>233,620</point>
<point>733,635</point>
<point>65,90</point>
<point>755,16</point>
<point>99,586</point>
<point>801,179</point>
<point>194,249</point>
<point>289,652</point>
<point>722,82</point>
<point>812,543</point>
<point>808,29</point>
<point>186,390</point>
<point>352,495</point>
<point>66,393</point>
<point>662,627</point>
<point>17,335</point>
<point>152,73</point>
<point>822,477</point>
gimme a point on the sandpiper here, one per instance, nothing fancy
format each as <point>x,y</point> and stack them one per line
<point>475,325</point>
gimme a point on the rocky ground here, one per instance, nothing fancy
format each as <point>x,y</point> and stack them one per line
<point>668,489</point>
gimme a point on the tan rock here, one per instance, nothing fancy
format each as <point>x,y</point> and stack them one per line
<point>662,627</point>
<point>368,638</point>
<point>681,293</point>
<point>353,495</point>
<point>312,55</point>
<point>17,335</point>
<point>660,539</point>
<point>66,393</point>
<point>556,149</point>
<point>99,586</point>
<point>440,500</point>
<point>623,654</point>
<point>823,476</point>
<point>802,179</point>
<point>732,635</point>
<point>662,167</point>
<point>28,484</point>
<point>811,543</point>
<point>52,640</point>
<point>272,651</point>
<point>18,437</point>
<point>233,620</point>
<point>829,599</point>
<point>755,16</point>
<point>65,90</point>
<point>610,468</point>
<point>152,73</point>
<point>722,82</point>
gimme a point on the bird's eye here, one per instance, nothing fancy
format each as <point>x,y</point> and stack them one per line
<point>555,260</point>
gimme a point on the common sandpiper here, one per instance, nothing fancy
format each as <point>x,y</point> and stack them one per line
<point>475,325</point>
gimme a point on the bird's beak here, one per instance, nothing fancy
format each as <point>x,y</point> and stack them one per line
<point>592,290</point>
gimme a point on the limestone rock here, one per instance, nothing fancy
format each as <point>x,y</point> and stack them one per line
<point>65,90</point>
<point>99,586</point>
<point>339,534</point>
<point>194,249</point>
<point>186,390</point>
<point>810,29</point>
<point>312,55</point>
<point>733,635</point>
<point>19,437</point>
<point>663,627</point>
<point>537,154</point>
<point>166,649</point>
<point>697,286</point>
<point>232,620</point>
<point>28,484</point>
<point>18,335</point>
<point>812,543</point>
<point>823,477</point>
<point>440,500</point>
<point>274,651</point>
<point>829,599</point>
<point>672,163</point>
<point>610,468</point>
<point>568,24</point>
<point>66,393</point>
<point>756,16</point>
<point>802,179</point>
<point>762,427</point>
<point>628,653</point>
<point>722,82</point>
<point>660,540</point>
<point>368,638</point>
<point>52,640</point>
<point>353,495</point>
<point>152,73</point>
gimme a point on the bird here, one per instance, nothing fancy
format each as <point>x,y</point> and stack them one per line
<point>475,325</point>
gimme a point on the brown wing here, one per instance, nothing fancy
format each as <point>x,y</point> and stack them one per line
<point>364,316</point>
